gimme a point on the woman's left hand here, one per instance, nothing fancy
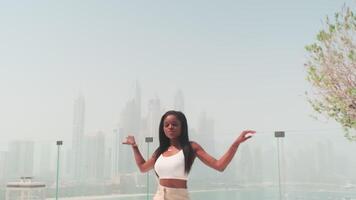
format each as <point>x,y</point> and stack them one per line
<point>244,135</point>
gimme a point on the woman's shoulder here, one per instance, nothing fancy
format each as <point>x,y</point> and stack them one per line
<point>194,145</point>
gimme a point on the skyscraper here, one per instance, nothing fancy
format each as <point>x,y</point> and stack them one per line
<point>45,160</point>
<point>130,123</point>
<point>137,100</point>
<point>115,153</point>
<point>153,116</point>
<point>206,133</point>
<point>94,157</point>
<point>3,161</point>
<point>152,124</point>
<point>78,136</point>
<point>21,158</point>
<point>245,165</point>
<point>130,119</point>
<point>205,137</point>
<point>258,163</point>
<point>179,101</point>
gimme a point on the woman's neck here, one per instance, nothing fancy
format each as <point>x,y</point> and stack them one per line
<point>175,143</point>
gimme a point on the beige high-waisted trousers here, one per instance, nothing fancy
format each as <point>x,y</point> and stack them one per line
<point>166,193</point>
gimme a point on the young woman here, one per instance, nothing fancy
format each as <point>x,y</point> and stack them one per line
<point>174,157</point>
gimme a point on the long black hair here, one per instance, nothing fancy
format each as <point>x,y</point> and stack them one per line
<point>184,142</point>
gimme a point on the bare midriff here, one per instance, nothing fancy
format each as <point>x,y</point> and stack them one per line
<point>173,183</point>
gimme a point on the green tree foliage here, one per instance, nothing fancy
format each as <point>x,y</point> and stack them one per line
<point>331,69</point>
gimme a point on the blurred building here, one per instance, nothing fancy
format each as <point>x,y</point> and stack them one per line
<point>78,137</point>
<point>130,124</point>
<point>25,189</point>
<point>95,157</point>
<point>206,133</point>
<point>179,101</point>
<point>130,119</point>
<point>45,160</point>
<point>21,158</point>
<point>152,125</point>
<point>205,136</point>
<point>113,154</point>
<point>3,161</point>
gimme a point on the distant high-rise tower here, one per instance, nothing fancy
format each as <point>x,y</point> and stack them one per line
<point>153,119</point>
<point>137,100</point>
<point>21,158</point>
<point>78,136</point>
<point>45,159</point>
<point>94,157</point>
<point>179,101</point>
<point>245,165</point>
<point>115,140</point>
<point>131,115</point>
<point>3,162</point>
<point>130,123</point>
<point>206,132</point>
<point>258,163</point>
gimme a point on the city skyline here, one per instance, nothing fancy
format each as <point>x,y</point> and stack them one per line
<point>105,159</point>
<point>176,101</point>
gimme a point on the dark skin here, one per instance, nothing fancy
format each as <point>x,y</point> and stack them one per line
<point>172,129</point>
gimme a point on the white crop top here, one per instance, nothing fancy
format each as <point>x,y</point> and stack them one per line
<point>171,167</point>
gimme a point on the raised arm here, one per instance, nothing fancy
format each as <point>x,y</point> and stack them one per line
<point>224,161</point>
<point>141,163</point>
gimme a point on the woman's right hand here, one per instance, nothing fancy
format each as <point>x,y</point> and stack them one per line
<point>130,140</point>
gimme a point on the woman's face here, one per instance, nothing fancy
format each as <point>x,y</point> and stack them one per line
<point>172,127</point>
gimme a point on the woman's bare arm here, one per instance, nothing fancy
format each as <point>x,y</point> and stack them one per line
<point>141,163</point>
<point>224,161</point>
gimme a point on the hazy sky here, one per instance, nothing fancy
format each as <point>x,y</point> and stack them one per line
<point>240,61</point>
